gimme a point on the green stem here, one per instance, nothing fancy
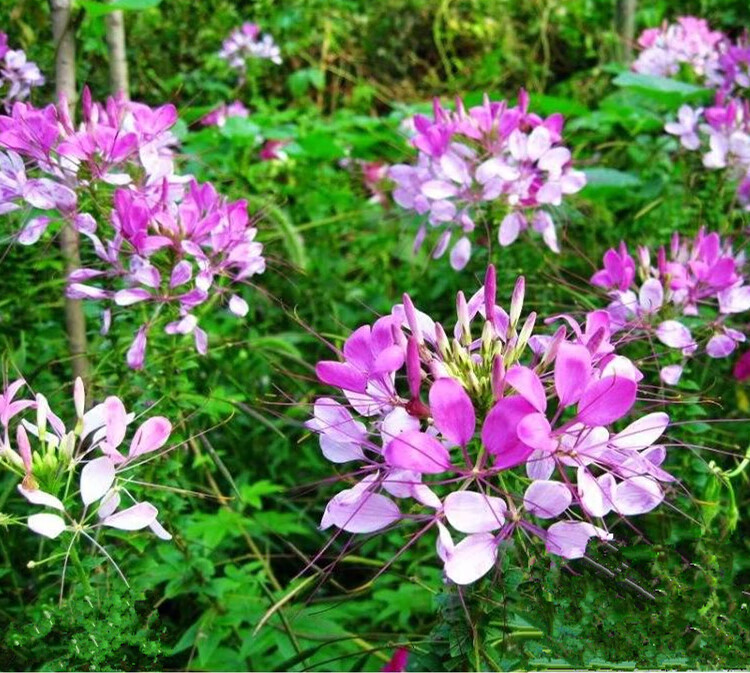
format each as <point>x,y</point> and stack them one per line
<point>76,560</point>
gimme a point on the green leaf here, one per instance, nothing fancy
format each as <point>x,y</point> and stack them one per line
<point>252,493</point>
<point>546,105</point>
<point>96,9</point>
<point>652,83</point>
<point>610,178</point>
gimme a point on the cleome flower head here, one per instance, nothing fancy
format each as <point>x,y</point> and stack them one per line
<point>685,297</point>
<point>160,237</point>
<point>246,43</point>
<point>492,159</point>
<point>18,75</point>
<point>51,459</point>
<point>487,432</point>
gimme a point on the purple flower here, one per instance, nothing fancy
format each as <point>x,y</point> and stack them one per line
<point>433,422</point>
<point>491,156</point>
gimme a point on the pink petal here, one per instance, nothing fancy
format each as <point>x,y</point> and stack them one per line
<point>499,431</point>
<point>137,517</point>
<point>342,375</point>
<point>572,372</point>
<point>674,334</point>
<point>37,497</point>
<point>472,512</point>
<point>637,495</point>
<point>151,436</point>
<point>417,451</point>
<point>452,411</point>
<point>535,431</point>
<point>116,421</point>
<point>606,400</point>
<point>360,512</point>
<point>129,297</point>
<point>527,383</point>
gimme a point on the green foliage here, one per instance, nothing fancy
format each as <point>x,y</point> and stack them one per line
<point>244,485</point>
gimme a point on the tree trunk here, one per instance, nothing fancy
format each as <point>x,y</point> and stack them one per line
<point>118,62</point>
<point>625,25</point>
<point>65,86</point>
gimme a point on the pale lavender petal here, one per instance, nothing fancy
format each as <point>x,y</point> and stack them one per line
<point>97,478</point>
<point>637,495</point>
<point>137,517</point>
<point>48,525</point>
<point>547,499</point>
<point>472,558</point>
<point>472,512</point>
<point>37,497</point>
<point>569,538</point>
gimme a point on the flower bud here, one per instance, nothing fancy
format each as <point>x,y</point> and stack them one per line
<point>498,377</point>
<point>525,335</point>
<point>644,259</point>
<point>413,367</point>
<point>67,445</point>
<point>42,408</point>
<point>411,319</point>
<point>79,398</point>
<point>516,302</point>
<point>24,448</point>
<point>551,353</point>
<point>443,343</point>
<point>462,311</point>
<point>490,293</point>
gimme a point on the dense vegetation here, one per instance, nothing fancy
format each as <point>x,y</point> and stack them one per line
<point>249,581</point>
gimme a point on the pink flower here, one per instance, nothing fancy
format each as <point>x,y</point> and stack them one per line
<point>424,415</point>
<point>492,154</point>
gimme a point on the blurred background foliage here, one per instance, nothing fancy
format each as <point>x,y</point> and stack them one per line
<point>249,582</point>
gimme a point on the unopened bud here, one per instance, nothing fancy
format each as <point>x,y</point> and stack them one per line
<point>462,311</point>
<point>490,293</point>
<point>516,301</point>
<point>488,337</point>
<point>413,367</point>
<point>644,258</point>
<point>79,398</point>
<point>441,338</point>
<point>526,331</point>
<point>411,319</point>
<point>41,416</point>
<point>498,377</point>
<point>67,445</point>
<point>554,345</point>
<point>24,448</point>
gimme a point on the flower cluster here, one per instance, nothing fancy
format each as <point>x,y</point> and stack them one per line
<point>689,48</point>
<point>688,43</point>
<point>684,297</point>
<point>167,240</point>
<point>247,42</point>
<point>722,134</point>
<point>76,477</point>
<point>491,155</point>
<point>118,143</point>
<point>178,252</point>
<point>219,115</point>
<point>17,74</point>
<point>487,434</point>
